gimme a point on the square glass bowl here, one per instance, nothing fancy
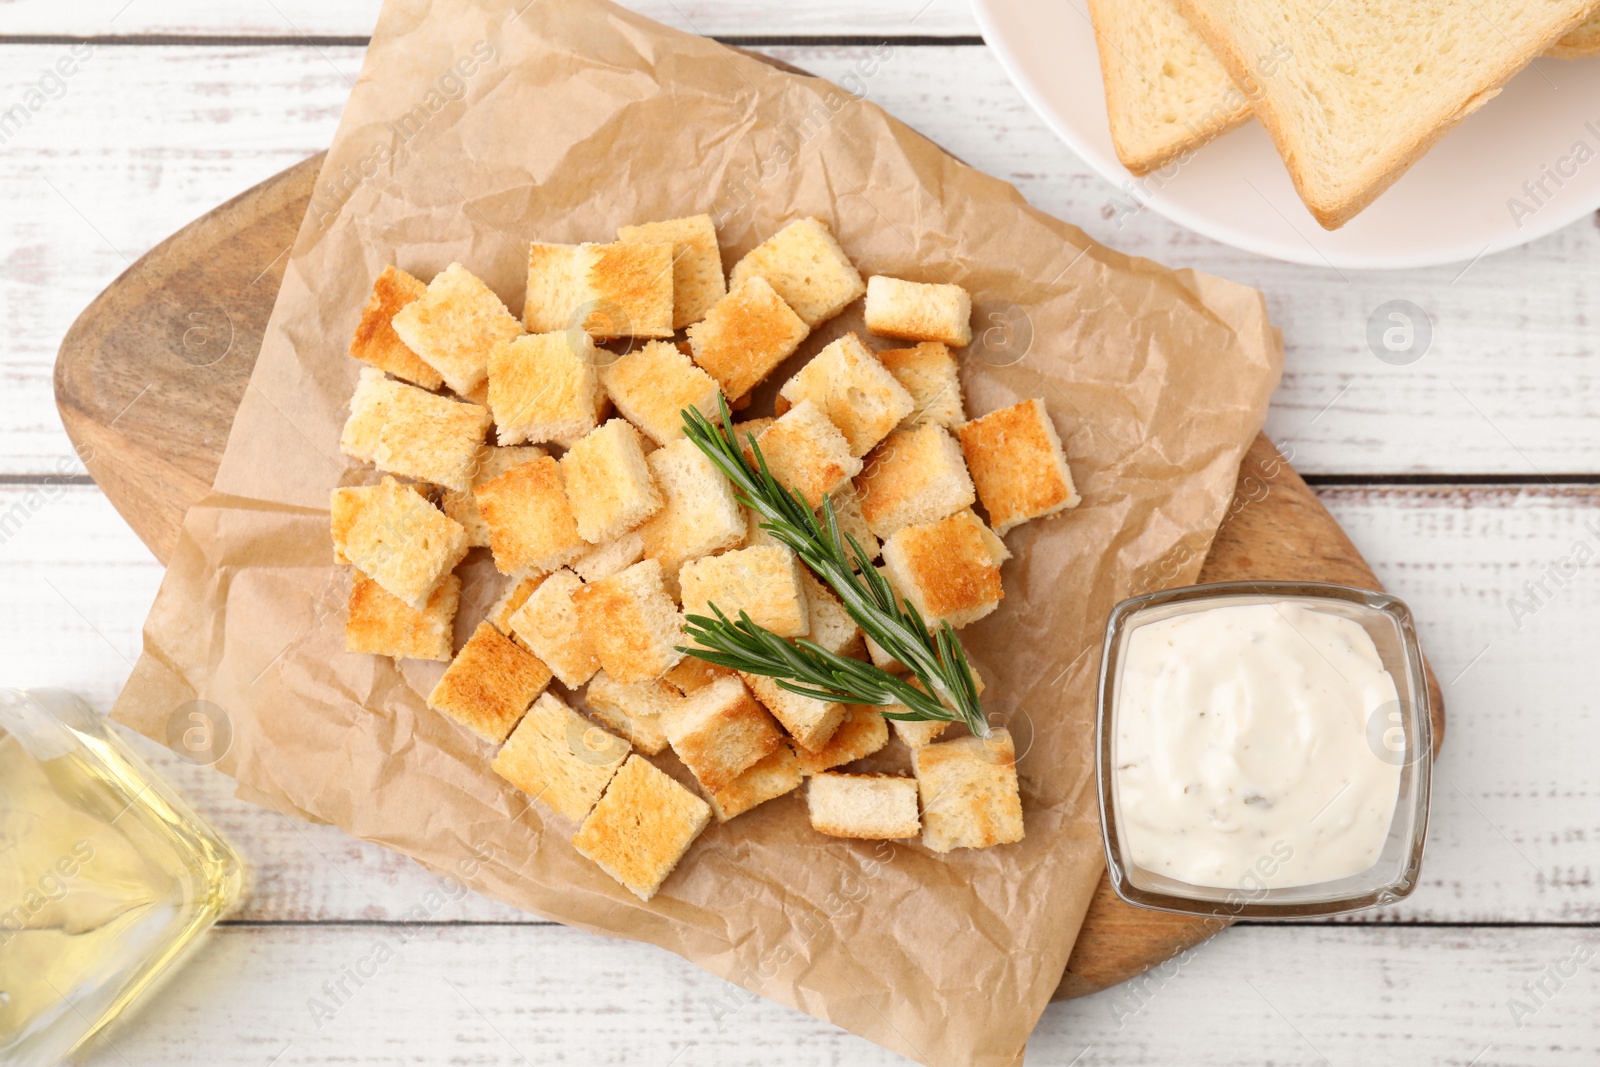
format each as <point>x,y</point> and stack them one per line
<point>1395,874</point>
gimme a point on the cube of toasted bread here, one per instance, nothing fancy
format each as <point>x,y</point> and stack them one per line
<point>623,289</point>
<point>862,732</point>
<point>375,341</point>
<point>918,732</point>
<point>396,537</point>
<point>691,674</point>
<point>873,807</point>
<point>609,483</point>
<point>489,684</point>
<point>1018,464</point>
<point>454,325</point>
<point>548,624</point>
<point>949,569</point>
<point>806,452</point>
<point>642,827</point>
<point>531,526</point>
<point>916,475</point>
<point>810,722</point>
<point>516,593</point>
<point>847,512</point>
<point>414,433</point>
<point>763,581</point>
<point>635,712</point>
<point>560,758</point>
<point>929,373</point>
<point>382,624</point>
<point>807,267</point>
<point>919,311</point>
<point>750,428</point>
<point>772,777</point>
<point>632,623</point>
<point>970,796</point>
<point>745,336</point>
<point>604,560</point>
<point>462,506</point>
<point>855,391</point>
<point>544,387</point>
<point>700,515</point>
<point>697,281</point>
<point>720,731</point>
<point>653,385</point>
<point>828,623</point>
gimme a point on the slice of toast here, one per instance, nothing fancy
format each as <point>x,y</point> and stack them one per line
<point>1362,91</point>
<point>1167,94</point>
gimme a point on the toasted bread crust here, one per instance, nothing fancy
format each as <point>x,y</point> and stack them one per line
<point>806,266</point>
<point>489,684</point>
<point>970,796</point>
<point>544,387</point>
<point>548,623</point>
<point>720,731</point>
<point>772,777</point>
<point>530,521</point>
<point>919,311</point>
<point>634,712</point>
<point>396,537</point>
<point>745,336</point>
<point>857,393</point>
<point>375,341</point>
<point>641,828</point>
<point>872,807</point>
<point>632,623</point>
<point>453,326</point>
<point>697,281</point>
<point>653,385</point>
<point>381,624</point>
<point>949,569</point>
<point>1018,465</point>
<point>861,732</point>
<point>915,475</point>
<point>560,758</point>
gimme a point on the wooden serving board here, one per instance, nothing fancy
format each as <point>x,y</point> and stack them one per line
<point>149,377</point>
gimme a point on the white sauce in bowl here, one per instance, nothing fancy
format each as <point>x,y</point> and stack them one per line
<point>1241,748</point>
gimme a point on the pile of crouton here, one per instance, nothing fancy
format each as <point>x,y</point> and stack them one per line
<point>610,526</point>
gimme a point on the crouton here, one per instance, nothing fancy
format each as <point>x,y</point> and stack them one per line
<point>772,777</point>
<point>700,515</point>
<point>382,624</point>
<point>375,341</point>
<point>560,758</point>
<point>697,280</point>
<point>604,560</point>
<point>462,506</point>
<point>413,433</point>
<point>754,535</point>
<point>548,624</point>
<point>855,391</point>
<point>916,475</point>
<point>807,453</point>
<point>632,711</point>
<point>919,311</point>
<point>744,431</point>
<point>745,336</point>
<point>609,482</point>
<point>918,732</point>
<point>929,373</point>
<point>531,525</point>
<point>641,828</point>
<point>544,387</point>
<point>873,807</point>
<point>489,684</point>
<point>828,623</point>
<point>632,623</point>
<point>970,796</point>
<point>454,325</point>
<point>881,658</point>
<point>623,289</point>
<point>847,512</point>
<point>949,569</point>
<point>807,268</point>
<point>653,385</point>
<point>1019,465</point>
<point>720,731</point>
<point>810,722</point>
<point>763,581</point>
<point>516,594</point>
<point>692,673</point>
<point>862,732</point>
<point>396,537</point>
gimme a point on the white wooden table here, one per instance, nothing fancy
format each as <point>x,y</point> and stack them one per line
<point>1463,476</point>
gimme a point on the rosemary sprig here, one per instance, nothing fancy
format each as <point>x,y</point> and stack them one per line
<point>935,658</point>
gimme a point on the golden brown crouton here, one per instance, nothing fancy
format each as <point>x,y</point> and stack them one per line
<point>544,387</point>
<point>530,521</point>
<point>700,515</point>
<point>548,624</point>
<point>863,731</point>
<point>829,624</point>
<point>949,569</point>
<point>623,289</point>
<point>462,506</point>
<point>916,475</point>
<point>697,281</point>
<point>560,758</point>
<point>807,453</point>
<point>745,336</point>
<point>396,538</point>
<point>970,797</point>
<point>929,373</point>
<point>454,325</point>
<point>1019,465</point>
<point>807,268</point>
<point>604,560</point>
<point>854,390</point>
<point>635,712</point>
<point>632,623</point>
<point>919,311</point>
<point>744,431</point>
<point>810,722</point>
<point>772,777</point>
<point>516,593</point>
<point>873,807</point>
<point>641,828</point>
<point>763,581</point>
<point>414,433</point>
<point>609,483</point>
<point>720,731</point>
<point>375,341</point>
<point>653,385</point>
<point>692,673</point>
<point>381,624</point>
<point>489,684</point>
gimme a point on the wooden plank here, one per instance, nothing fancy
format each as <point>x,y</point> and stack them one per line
<point>521,995</point>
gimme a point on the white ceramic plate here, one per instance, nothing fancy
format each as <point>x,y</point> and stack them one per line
<point>1455,204</point>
